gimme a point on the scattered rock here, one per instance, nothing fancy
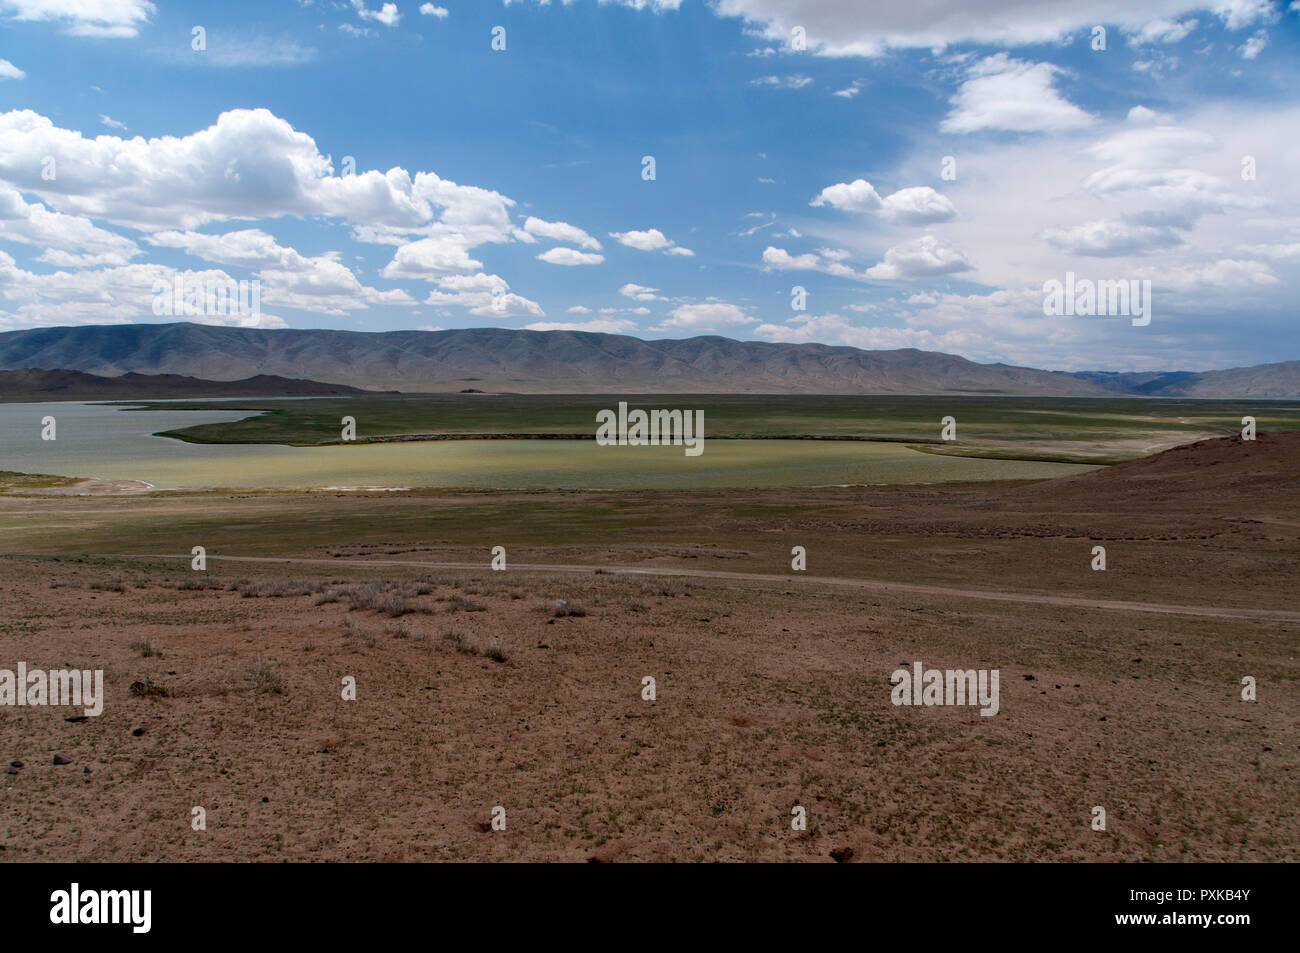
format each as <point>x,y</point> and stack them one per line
<point>15,764</point>
<point>59,759</point>
<point>75,719</point>
<point>842,855</point>
<point>137,732</point>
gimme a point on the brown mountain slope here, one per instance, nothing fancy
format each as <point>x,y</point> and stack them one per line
<point>1217,472</point>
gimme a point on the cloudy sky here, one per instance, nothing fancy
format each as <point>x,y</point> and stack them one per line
<point>667,168</point>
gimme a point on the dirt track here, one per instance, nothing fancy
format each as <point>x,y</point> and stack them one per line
<point>875,585</point>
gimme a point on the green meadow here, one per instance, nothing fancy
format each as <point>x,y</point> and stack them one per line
<point>1067,430</point>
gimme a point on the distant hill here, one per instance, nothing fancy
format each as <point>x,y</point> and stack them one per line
<point>1263,380</point>
<point>36,384</point>
<point>502,359</point>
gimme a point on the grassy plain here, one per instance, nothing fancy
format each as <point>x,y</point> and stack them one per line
<point>1058,429</point>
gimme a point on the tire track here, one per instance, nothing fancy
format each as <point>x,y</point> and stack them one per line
<point>871,585</point>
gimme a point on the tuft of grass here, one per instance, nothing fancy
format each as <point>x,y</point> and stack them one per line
<point>146,648</point>
<point>147,689</point>
<point>494,650</point>
<point>277,588</point>
<point>381,595</point>
<point>458,642</point>
<point>355,639</point>
<point>459,603</point>
<point>664,588</point>
<point>263,677</point>
<point>201,583</point>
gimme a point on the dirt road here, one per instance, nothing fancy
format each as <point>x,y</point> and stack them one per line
<point>876,585</point>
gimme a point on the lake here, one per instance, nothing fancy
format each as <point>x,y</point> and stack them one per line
<point>98,440</point>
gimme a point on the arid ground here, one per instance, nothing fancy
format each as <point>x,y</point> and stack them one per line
<point>522,688</point>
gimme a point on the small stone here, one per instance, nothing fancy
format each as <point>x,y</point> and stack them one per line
<point>842,854</point>
<point>59,759</point>
<point>137,732</point>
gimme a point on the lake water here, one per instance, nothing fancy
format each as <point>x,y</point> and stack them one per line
<point>96,440</point>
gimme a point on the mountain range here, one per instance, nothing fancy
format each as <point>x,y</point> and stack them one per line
<point>32,384</point>
<point>521,361</point>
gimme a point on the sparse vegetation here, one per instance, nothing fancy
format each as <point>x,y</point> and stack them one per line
<point>146,648</point>
<point>202,583</point>
<point>458,603</point>
<point>494,650</point>
<point>385,596</point>
<point>458,642</point>
<point>145,688</point>
<point>277,588</point>
<point>263,677</point>
<point>355,638</point>
<point>565,608</point>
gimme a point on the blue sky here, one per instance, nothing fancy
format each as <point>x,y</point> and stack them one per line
<point>920,169</point>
